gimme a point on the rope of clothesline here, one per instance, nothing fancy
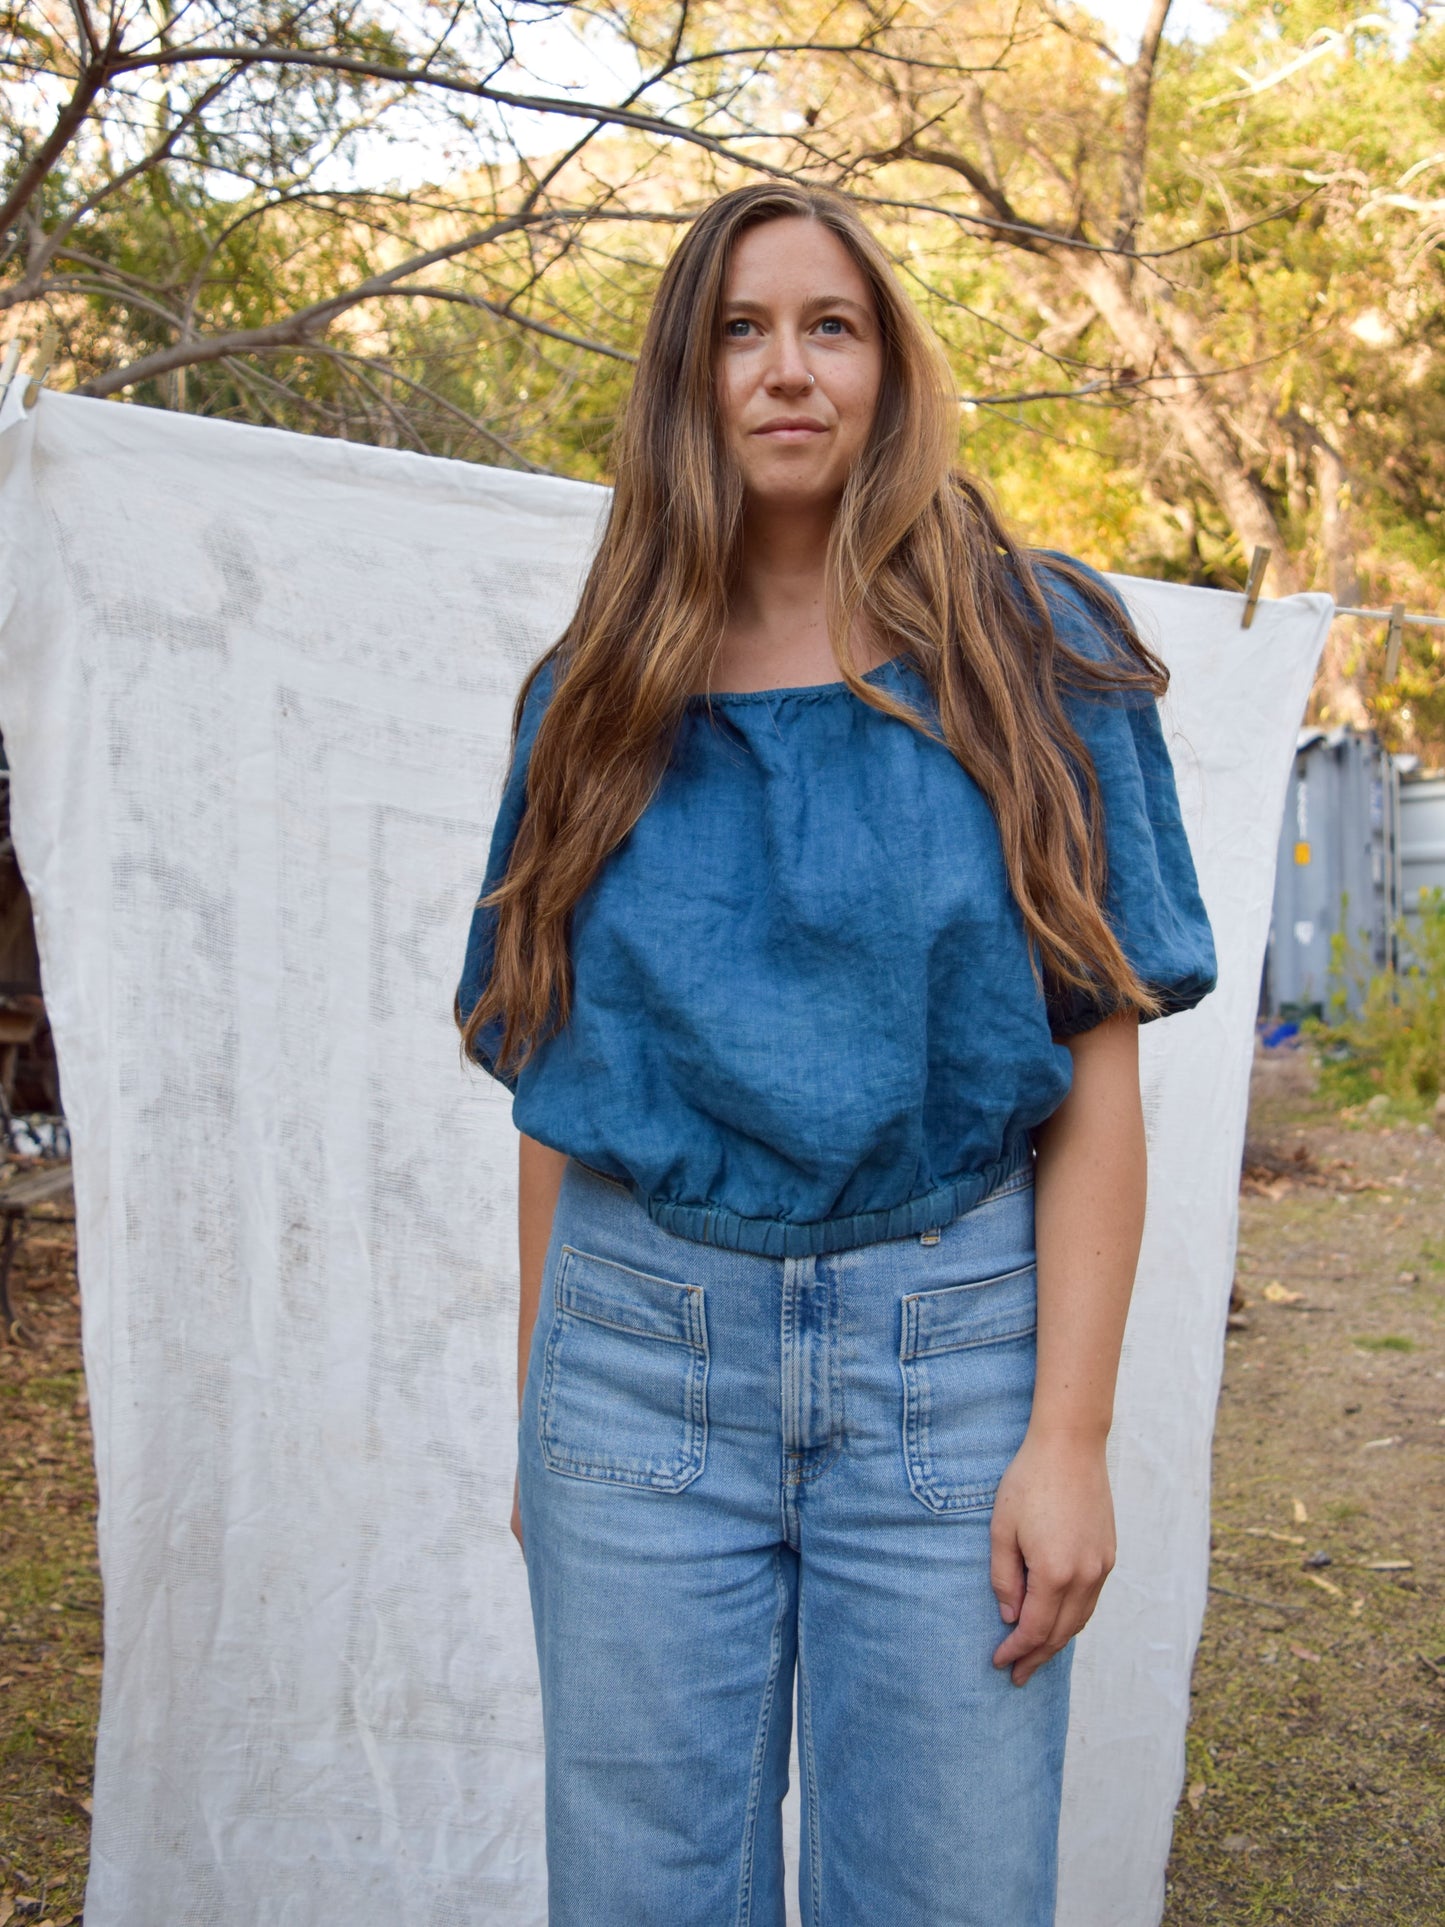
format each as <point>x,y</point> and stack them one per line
<point>1397,616</point>
<point>1384,615</point>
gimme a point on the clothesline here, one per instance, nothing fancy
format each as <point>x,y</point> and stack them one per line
<point>1395,615</point>
<point>1388,615</point>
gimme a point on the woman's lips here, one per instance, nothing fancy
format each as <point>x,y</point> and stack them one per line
<point>791,431</point>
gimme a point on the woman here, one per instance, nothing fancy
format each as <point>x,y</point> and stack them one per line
<point>838,862</point>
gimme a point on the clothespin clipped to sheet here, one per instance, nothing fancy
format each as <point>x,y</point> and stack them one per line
<point>1255,583</point>
<point>1394,636</point>
<point>40,367</point>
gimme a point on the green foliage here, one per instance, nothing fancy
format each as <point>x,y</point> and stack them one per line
<point>1394,1048</point>
<point>1288,212</point>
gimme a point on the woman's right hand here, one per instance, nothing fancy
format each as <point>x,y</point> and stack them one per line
<point>517,1513</point>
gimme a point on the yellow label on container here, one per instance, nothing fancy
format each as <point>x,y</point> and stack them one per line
<point>1301,852</point>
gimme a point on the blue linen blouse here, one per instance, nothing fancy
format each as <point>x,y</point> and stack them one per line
<point>803,1012</point>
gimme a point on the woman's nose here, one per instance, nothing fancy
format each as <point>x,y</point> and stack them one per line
<point>787,370</point>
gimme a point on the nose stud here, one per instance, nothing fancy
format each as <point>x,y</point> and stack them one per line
<point>811,380</point>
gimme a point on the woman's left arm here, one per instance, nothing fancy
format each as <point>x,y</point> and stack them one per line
<point>1053,1518</point>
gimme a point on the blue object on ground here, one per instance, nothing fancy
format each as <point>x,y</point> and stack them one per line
<point>1280,1034</point>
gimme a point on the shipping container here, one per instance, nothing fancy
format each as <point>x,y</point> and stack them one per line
<point>1421,844</point>
<point>1337,872</point>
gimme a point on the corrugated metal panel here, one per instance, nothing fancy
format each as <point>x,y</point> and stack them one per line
<point>1335,869</point>
<point>1422,839</point>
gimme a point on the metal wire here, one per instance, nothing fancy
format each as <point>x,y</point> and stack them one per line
<point>1384,615</point>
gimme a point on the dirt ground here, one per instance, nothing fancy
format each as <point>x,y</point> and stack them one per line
<point>1315,1788</point>
<point>50,1626</point>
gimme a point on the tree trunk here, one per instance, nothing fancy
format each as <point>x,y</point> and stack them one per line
<point>1336,697</point>
<point>1337,546</point>
<point>1192,409</point>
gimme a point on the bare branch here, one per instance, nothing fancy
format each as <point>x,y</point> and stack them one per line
<point>504,311</point>
<point>1022,234</point>
<point>601,113</point>
<point>355,370</point>
<point>1048,394</point>
<point>301,329</point>
<point>1074,32</point>
<point>92,80</point>
<point>420,387</point>
<point>49,245</point>
<point>130,297</point>
<point>85,26</point>
<point>1136,125</point>
<point>1051,239</point>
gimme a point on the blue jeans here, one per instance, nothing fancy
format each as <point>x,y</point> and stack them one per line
<point>732,1466</point>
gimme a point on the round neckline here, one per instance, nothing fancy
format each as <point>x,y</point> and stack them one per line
<point>809,689</point>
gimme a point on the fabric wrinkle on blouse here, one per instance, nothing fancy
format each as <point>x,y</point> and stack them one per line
<point>804,1016</point>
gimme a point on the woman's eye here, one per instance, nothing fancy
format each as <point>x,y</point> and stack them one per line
<point>739,322</point>
<point>833,321</point>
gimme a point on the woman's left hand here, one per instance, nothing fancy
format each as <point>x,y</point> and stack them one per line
<point>1053,1546</point>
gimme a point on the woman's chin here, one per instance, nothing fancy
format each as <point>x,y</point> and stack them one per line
<point>793,494</point>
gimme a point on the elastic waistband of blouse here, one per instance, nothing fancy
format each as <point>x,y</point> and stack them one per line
<point>771,1238</point>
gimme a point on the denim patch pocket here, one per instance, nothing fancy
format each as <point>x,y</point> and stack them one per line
<point>967,1356</point>
<point>624,1379</point>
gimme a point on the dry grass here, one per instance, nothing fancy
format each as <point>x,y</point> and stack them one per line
<point>1316,1776</point>
<point>50,1629</point>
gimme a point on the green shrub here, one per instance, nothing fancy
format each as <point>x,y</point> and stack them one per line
<point>1394,1048</point>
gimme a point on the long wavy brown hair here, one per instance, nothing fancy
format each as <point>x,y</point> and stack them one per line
<point>917,556</point>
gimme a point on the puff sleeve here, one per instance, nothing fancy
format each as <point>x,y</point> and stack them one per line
<point>477,965</point>
<point>1152,897</point>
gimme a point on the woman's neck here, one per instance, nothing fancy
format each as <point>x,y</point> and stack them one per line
<point>776,634</point>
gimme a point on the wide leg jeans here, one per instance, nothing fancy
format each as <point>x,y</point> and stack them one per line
<point>734,1467</point>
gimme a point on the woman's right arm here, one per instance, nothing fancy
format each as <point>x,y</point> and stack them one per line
<point>539,1178</point>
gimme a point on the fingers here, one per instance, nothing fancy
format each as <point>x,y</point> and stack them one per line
<point>1032,1640</point>
<point>517,1516</point>
<point>1007,1577</point>
<point>1055,1607</point>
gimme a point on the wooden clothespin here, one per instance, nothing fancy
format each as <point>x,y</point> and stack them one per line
<point>1253,586</point>
<point>40,367</point>
<point>1394,636</point>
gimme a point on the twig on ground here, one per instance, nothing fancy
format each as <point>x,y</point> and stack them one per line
<point>1270,1605</point>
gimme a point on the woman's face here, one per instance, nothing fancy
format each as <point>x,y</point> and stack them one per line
<point>796,305</point>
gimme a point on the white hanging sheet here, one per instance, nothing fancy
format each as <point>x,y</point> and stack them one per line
<point>256,689</point>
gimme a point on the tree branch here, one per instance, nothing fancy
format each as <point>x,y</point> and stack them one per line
<point>1136,125</point>
<point>1056,239</point>
<point>93,77</point>
<point>264,55</point>
<point>301,329</point>
<point>420,387</point>
<point>504,312</point>
<point>50,244</point>
<point>1020,233</point>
